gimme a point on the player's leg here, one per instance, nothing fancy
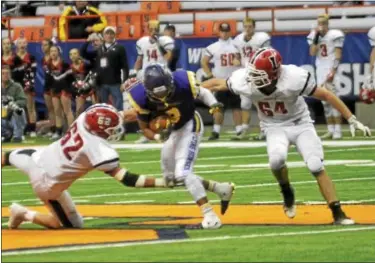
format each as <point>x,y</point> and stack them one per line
<point>66,102</point>
<point>50,112</point>
<point>235,104</point>
<point>30,104</point>
<point>80,105</point>
<point>222,97</point>
<point>187,148</point>
<point>59,119</point>
<point>168,159</point>
<point>245,105</point>
<point>311,150</point>
<point>18,213</point>
<point>277,149</point>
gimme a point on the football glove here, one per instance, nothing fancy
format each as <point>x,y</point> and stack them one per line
<point>356,125</point>
<point>217,107</point>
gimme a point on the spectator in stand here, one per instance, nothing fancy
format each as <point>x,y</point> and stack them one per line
<point>48,81</point>
<point>13,102</point>
<point>112,68</point>
<point>8,57</point>
<point>25,75</point>
<point>60,91</point>
<point>78,28</point>
<point>170,30</point>
<point>96,41</point>
<point>78,78</point>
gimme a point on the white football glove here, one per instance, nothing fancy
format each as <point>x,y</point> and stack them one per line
<point>356,125</point>
<point>369,83</point>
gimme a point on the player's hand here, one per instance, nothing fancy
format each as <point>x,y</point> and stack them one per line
<point>368,83</point>
<point>331,76</point>
<point>356,125</point>
<point>163,135</point>
<point>217,107</point>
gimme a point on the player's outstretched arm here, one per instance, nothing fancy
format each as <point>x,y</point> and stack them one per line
<point>130,179</point>
<point>326,95</point>
<point>215,85</point>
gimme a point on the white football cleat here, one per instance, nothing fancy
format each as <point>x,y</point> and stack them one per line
<point>327,135</point>
<point>32,134</point>
<point>337,136</point>
<point>225,192</point>
<point>290,211</point>
<point>211,221</point>
<point>344,221</point>
<point>17,215</point>
<point>55,136</point>
<point>143,139</point>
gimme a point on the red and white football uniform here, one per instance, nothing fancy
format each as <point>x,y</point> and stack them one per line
<point>283,114</point>
<point>150,51</point>
<point>53,169</point>
<point>246,48</point>
<point>326,53</point>
<point>222,54</point>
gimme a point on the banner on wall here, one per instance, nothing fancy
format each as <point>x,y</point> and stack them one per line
<point>352,71</point>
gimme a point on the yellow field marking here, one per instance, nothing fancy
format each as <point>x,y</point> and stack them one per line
<point>184,214</point>
<point>17,239</point>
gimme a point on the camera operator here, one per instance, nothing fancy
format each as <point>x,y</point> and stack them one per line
<point>13,102</point>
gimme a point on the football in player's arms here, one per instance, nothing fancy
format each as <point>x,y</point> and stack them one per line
<point>173,94</point>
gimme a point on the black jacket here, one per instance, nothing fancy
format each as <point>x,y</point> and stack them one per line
<point>112,64</point>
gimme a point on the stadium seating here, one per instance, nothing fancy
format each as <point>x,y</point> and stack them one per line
<point>275,18</point>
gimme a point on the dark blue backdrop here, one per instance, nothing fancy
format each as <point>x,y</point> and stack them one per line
<point>294,50</point>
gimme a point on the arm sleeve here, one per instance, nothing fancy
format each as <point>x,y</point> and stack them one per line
<point>87,54</point>
<point>309,85</point>
<point>339,42</point>
<point>209,52</point>
<point>168,44</point>
<point>206,96</point>
<point>139,48</point>
<point>230,84</point>
<point>62,22</point>
<point>194,87</point>
<point>245,102</point>
<point>103,21</point>
<point>103,157</point>
<point>310,38</point>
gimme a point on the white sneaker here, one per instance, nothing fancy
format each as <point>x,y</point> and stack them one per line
<point>211,221</point>
<point>337,136</point>
<point>290,211</point>
<point>33,134</point>
<point>143,139</point>
<point>327,135</point>
<point>17,215</point>
<point>345,222</point>
<point>225,192</point>
<point>55,136</point>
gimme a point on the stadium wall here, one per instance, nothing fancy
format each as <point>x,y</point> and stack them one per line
<point>294,49</point>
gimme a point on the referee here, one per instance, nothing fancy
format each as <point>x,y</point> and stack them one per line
<point>112,68</point>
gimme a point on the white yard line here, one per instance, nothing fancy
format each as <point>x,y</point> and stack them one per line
<point>182,190</point>
<point>227,157</point>
<point>237,168</point>
<point>242,144</point>
<point>349,202</point>
<point>192,240</point>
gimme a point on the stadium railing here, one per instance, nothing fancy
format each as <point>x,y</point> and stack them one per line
<point>276,20</point>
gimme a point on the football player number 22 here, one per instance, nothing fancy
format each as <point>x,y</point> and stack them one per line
<point>265,107</point>
<point>72,133</point>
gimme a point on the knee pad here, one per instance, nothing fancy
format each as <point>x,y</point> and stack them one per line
<point>277,160</point>
<point>315,164</point>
